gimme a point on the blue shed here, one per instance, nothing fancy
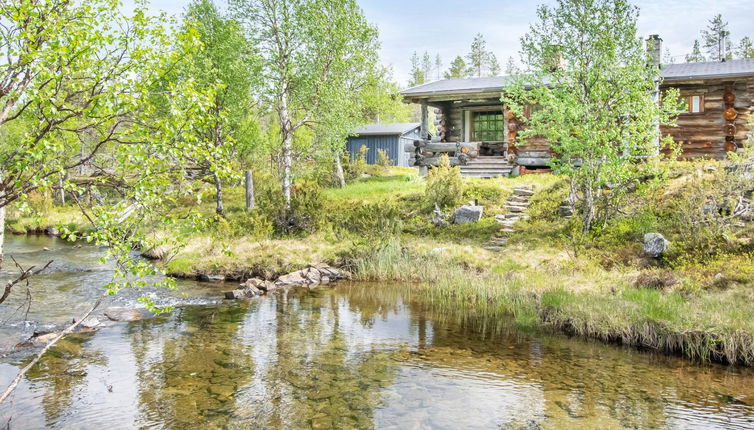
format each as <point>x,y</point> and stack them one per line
<point>389,137</point>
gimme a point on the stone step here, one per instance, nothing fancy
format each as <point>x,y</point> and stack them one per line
<point>519,199</point>
<point>507,230</point>
<point>523,192</point>
<point>522,204</point>
<point>515,208</point>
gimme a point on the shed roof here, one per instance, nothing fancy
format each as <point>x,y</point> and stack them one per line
<point>386,129</point>
<point>669,72</point>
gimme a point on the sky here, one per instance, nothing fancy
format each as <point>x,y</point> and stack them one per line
<point>447,27</point>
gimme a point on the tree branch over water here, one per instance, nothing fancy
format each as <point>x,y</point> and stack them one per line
<point>41,353</point>
<point>25,274</point>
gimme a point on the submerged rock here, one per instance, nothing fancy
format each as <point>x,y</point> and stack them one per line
<point>117,313</point>
<point>468,214</point>
<point>655,245</point>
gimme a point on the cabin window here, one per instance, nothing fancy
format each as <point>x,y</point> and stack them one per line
<point>695,104</point>
<point>488,127</point>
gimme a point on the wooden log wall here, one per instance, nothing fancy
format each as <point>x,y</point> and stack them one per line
<point>709,134</point>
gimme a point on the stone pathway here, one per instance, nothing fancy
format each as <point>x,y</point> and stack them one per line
<point>517,205</point>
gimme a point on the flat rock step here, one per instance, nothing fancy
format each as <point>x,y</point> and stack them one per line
<point>523,192</point>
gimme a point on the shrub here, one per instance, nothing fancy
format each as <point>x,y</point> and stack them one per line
<point>487,193</point>
<point>383,160</point>
<point>376,218</point>
<point>354,168</point>
<point>444,184</point>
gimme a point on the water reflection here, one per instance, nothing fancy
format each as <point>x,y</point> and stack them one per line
<point>362,356</point>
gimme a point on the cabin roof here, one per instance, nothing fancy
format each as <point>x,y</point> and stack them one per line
<point>386,129</point>
<point>708,69</point>
<point>669,72</point>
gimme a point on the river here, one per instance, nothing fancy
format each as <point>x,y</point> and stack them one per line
<point>352,356</point>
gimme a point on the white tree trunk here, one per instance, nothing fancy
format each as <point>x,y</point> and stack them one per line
<point>250,201</point>
<point>286,129</point>
<point>339,170</point>
<point>2,233</point>
<point>219,208</point>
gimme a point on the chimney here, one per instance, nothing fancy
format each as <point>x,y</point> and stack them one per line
<point>654,50</point>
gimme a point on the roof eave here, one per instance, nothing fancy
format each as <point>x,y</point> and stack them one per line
<point>709,76</point>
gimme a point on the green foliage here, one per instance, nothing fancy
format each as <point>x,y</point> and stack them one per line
<point>368,219</point>
<point>444,184</point>
<point>486,193</point>
<point>383,160</point>
<point>457,69</point>
<point>480,61</point>
<point>595,103</point>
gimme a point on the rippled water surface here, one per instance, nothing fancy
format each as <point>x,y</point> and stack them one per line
<point>353,356</point>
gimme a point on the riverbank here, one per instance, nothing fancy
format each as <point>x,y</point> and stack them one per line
<point>694,301</point>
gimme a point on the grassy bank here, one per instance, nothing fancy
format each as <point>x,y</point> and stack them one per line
<point>578,297</point>
<point>695,301</point>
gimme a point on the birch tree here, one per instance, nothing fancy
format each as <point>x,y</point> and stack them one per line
<point>227,60</point>
<point>598,108</point>
<point>310,50</point>
<point>80,83</point>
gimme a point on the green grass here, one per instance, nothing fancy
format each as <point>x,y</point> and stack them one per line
<point>373,188</point>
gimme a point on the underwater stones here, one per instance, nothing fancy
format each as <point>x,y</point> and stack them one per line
<point>468,214</point>
<point>117,313</point>
<point>244,293</point>
<point>205,277</point>
<point>655,245</point>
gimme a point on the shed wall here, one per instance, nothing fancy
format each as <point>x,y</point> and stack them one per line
<point>393,145</point>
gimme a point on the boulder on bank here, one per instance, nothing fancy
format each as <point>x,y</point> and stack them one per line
<point>315,274</point>
<point>468,214</point>
<point>655,245</point>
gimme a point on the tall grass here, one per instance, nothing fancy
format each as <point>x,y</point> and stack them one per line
<point>713,327</point>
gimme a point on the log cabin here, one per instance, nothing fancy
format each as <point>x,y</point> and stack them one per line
<point>477,131</point>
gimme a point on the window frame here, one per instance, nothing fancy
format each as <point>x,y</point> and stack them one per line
<point>690,104</point>
<point>501,120</point>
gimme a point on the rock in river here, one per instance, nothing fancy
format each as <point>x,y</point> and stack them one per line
<point>117,313</point>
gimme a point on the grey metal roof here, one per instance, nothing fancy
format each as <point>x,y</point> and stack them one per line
<point>708,69</point>
<point>386,129</point>
<point>669,72</point>
<point>463,85</point>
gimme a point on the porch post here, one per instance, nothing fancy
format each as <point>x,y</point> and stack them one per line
<point>425,121</point>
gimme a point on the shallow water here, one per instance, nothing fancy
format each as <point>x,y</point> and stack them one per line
<point>353,356</point>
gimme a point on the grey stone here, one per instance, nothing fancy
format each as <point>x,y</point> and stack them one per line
<point>655,245</point>
<point>117,313</point>
<point>565,211</point>
<point>206,277</point>
<point>468,214</point>
<point>523,192</point>
<point>244,293</point>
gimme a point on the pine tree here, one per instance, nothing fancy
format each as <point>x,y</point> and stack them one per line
<point>457,69</point>
<point>494,66</point>
<point>417,74</point>
<point>696,54</point>
<point>427,66</point>
<point>438,66</point>
<point>511,68</point>
<point>667,57</point>
<point>477,57</point>
<point>745,48</point>
<point>716,41</point>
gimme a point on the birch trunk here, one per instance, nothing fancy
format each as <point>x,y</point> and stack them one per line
<point>219,209</point>
<point>339,170</point>
<point>250,201</point>
<point>286,129</point>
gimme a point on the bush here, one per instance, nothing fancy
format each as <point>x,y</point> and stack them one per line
<point>444,184</point>
<point>306,212</point>
<point>487,193</point>
<point>380,218</point>
<point>383,160</point>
